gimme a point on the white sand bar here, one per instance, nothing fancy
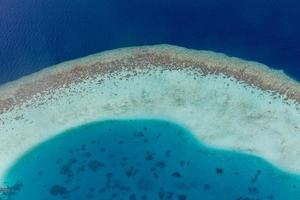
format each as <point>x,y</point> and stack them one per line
<point>227,102</point>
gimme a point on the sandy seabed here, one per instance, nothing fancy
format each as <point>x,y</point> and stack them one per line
<point>227,102</point>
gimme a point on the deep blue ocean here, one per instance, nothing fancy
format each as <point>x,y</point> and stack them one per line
<point>35,34</point>
<point>143,160</point>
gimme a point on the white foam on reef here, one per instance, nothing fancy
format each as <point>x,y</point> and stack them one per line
<point>220,110</point>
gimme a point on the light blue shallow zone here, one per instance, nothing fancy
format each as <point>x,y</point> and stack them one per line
<point>143,159</point>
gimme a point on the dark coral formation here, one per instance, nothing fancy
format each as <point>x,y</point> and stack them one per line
<point>131,59</point>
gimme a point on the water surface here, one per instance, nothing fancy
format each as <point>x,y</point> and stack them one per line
<point>36,34</point>
<point>143,159</point>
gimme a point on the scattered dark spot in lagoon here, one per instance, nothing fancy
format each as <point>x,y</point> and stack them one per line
<point>109,160</point>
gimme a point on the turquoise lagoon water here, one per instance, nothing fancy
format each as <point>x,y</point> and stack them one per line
<point>142,159</point>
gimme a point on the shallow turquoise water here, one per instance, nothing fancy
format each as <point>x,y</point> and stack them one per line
<point>142,159</point>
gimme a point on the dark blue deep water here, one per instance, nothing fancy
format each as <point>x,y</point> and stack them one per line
<point>143,160</point>
<point>35,34</point>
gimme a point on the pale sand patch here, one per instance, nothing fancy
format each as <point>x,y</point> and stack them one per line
<point>226,102</point>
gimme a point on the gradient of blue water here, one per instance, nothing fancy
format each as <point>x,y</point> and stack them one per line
<point>35,34</point>
<point>143,159</point>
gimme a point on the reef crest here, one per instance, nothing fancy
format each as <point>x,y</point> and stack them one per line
<point>227,102</point>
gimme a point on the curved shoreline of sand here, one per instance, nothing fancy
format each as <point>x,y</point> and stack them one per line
<point>202,90</point>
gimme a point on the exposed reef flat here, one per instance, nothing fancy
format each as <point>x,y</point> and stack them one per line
<point>227,102</point>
